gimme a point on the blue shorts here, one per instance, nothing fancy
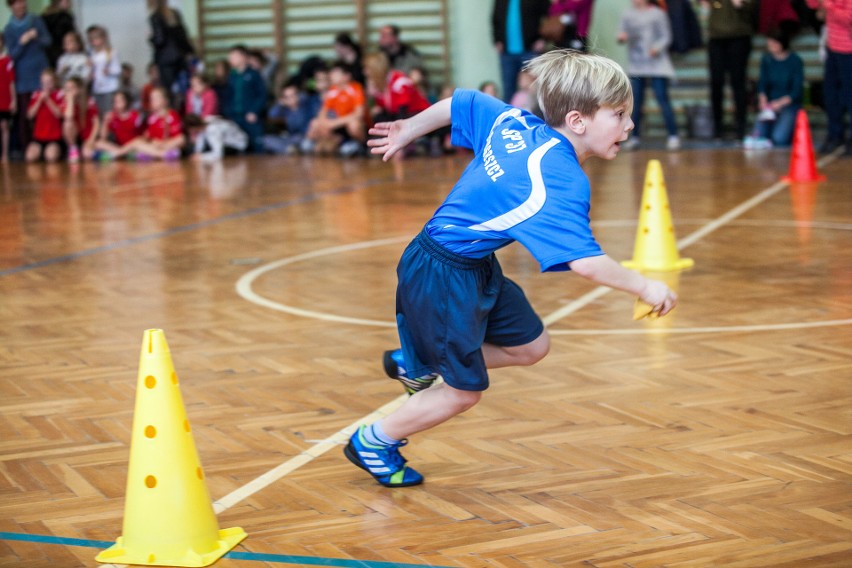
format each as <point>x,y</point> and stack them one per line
<point>448,305</point>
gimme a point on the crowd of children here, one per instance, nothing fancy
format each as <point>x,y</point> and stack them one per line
<point>87,108</point>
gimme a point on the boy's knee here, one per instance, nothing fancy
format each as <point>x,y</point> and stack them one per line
<point>464,400</point>
<point>535,351</point>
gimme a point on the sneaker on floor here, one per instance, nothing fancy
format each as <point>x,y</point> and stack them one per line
<point>73,155</point>
<point>394,365</point>
<point>673,143</point>
<point>172,155</point>
<point>307,146</point>
<point>384,463</point>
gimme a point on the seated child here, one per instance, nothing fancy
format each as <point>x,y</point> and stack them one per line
<point>201,99</point>
<point>163,137</point>
<point>340,122</point>
<point>214,136</point>
<point>120,125</point>
<point>780,91</point>
<point>458,316</point>
<point>290,116</point>
<point>45,111</point>
<point>80,121</point>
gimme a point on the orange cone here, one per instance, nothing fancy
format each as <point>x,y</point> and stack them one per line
<point>802,162</point>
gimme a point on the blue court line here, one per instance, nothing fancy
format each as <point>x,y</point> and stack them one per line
<point>184,228</point>
<point>253,556</point>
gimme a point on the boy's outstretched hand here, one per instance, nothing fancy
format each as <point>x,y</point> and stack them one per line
<point>392,137</point>
<point>658,300</point>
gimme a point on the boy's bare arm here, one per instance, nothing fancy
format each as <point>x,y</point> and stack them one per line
<point>605,271</point>
<point>394,136</point>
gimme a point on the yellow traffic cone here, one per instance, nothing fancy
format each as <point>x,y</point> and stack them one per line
<point>656,247</point>
<point>168,517</point>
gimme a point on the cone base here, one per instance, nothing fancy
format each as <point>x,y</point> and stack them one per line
<point>791,179</point>
<point>678,264</point>
<point>227,539</point>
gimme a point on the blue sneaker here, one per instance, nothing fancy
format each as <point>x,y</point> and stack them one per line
<point>384,463</point>
<point>394,366</point>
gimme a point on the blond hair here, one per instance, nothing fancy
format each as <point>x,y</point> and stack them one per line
<point>567,80</point>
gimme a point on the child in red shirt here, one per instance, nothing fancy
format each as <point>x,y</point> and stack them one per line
<point>121,125</point>
<point>8,100</point>
<point>201,99</point>
<point>45,110</point>
<point>340,121</point>
<point>163,137</point>
<point>395,94</point>
<point>80,123</point>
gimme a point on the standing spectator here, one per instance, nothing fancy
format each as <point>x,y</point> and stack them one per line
<point>201,99</point>
<point>74,61</point>
<point>576,16</point>
<point>515,28</point>
<point>349,52</point>
<point>27,40</point>
<point>523,96</point>
<point>170,41</point>
<point>246,96</point>
<point>838,70</point>
<point>340,122</point>
<point>45,110</point>
<point>402,56</point>
<point>290,117</point>
<point>647,31</point>
<point>59,21</point>
<point>780,88</point>
<point>106,68</point>
<point>8,102</point>
<point>730,26</point>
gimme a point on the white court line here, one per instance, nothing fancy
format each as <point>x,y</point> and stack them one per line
<point>244,289</point>
<point>335,440</point>
<point>717,329</point>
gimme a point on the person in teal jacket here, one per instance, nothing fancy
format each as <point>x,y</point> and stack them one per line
<point>779,89</point>
<point>246,99</point>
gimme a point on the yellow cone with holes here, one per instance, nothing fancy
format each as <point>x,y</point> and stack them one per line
<point>168,517</point>
<point>656,245</point>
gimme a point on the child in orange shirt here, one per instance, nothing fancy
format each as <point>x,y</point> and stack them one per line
<point>340,122</point>
<point>45,111</point>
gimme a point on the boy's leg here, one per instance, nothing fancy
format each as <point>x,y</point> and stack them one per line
<point>4,138</point>
<point>52,152</point>
<point>638,86</point>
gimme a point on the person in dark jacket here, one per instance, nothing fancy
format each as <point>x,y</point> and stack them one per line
<point>515,28</point>
<point>172,47</point>
<point>730,27</point>
<point>27,40</point>
<point>59,21</point>
<point>246,96</point>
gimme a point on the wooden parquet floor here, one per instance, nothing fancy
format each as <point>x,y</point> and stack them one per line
<point>719,436</point>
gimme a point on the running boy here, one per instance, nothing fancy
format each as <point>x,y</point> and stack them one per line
<point>457,315</point>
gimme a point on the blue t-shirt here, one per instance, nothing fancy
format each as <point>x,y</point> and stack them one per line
<point>524,184</point>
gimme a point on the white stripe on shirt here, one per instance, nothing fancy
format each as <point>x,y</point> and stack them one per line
<point>534,202</point>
